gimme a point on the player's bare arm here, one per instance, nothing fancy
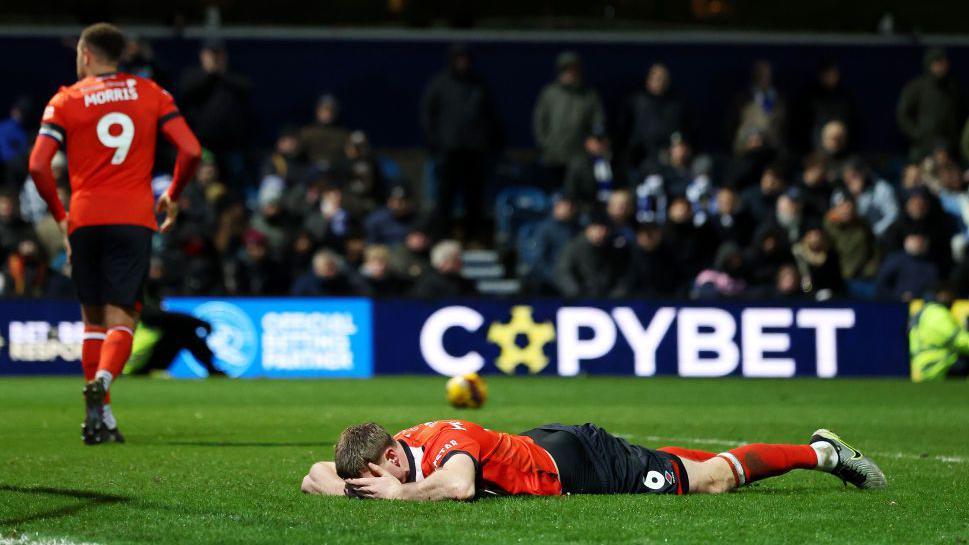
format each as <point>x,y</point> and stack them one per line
<point>454,481</point>
<point>323,480</point>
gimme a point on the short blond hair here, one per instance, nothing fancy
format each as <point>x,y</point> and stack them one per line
<point>358,446</point>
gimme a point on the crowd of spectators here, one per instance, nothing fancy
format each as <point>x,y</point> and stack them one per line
<point>635,209</point>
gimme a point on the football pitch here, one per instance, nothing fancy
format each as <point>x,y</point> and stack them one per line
<point>221,462</point>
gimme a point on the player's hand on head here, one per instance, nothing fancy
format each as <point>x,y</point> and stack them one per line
<point>166,206</point>
<point>382,486</point>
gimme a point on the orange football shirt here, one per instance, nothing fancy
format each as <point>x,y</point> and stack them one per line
<point>108,126</point>
<point>505,463</point>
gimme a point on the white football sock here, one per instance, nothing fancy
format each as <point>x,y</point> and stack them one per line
<point>104,376</point>
<point>109,420</point>
<point>827,455</point>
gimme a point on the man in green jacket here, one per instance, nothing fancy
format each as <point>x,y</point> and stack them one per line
<point>566,112</point>
<point>938,343</point>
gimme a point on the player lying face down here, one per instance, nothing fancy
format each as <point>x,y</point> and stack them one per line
<point>460,460</point>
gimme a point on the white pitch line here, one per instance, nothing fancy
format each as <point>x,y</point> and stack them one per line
<point>25,539</point>
<point>944,458</point>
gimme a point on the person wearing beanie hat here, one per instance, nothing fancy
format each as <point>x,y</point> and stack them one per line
<point>566,112</point>
<point>930,108</point>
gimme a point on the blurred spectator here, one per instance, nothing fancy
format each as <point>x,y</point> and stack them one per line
<point>551,237</point>
<point>910,273</point>
<point>14,144</point>
<point>875,198</point>
<point>591,176</point>
<point>768,253</point>
<point>326,277</point>
<point>139,59</point>
<point>26,274</point>
<point>819,264</point>
<point>673,167</point>
<point>270,219</point>
<point>826,100</point>
<point>724,278</point>
<point>330,224</point>
<point>594,264</point>
<point>411,259</point>
<point>254,271</point>
<point>205,198</point>
<point>788,217</point>
<point>376,272</point>
<point>759,201</point>
<point>363,184</point>
<point>729,222</point>
<point>787,283</point>
<point>216,105</point>
<point>391,223</point>
<point>853,238</point>
<point>322,141</point>
<point>653,269</point>
<point>747,166</point>
<point>444,279</point>
<point>621,209</point>
<point>461,127</point>
<point>565,113</point>
<point>693,245</point>
<point>284,161</point>
<point>930,107</point>
<point>955,203</point>
<point>13,228</point>
<point>760,108</point>
<point>833,147</point>
<point>919,214</point>
<point>651,116</point>
<point>816,186</point>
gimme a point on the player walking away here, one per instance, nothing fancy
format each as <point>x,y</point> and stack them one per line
<point>108,122</point>
<point>460,460</point>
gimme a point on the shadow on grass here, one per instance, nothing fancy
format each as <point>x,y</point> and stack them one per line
<point>247,443</point>
<point>89,499</point>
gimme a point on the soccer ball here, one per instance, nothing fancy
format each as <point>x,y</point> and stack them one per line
<point>466,391</point>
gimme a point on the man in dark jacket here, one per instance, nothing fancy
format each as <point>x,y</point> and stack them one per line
<point>461,126</point>
<point>216,104</point>
<point>595,263</point>
<point>651,117</point>
<point>910,273</point>
<point>591,177</point>
<point>444,278</point>
<point>653,270</point>
<point>551,237</point>
<point>390,224</point>
<point>326,277</point>
<point>930,107</point>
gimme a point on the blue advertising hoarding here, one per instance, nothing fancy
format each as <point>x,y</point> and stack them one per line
<point>40,337</point>
<point>282,337</point>
<point>642,338</point>
<point>357,338</point>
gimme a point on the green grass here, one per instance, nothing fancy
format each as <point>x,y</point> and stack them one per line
<point>221,462</point>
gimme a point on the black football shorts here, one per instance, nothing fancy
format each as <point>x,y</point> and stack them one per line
<point>109,263</point>
<point>593,461</point>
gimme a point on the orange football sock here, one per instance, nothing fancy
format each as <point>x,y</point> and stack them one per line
<point>759,461</point>
<point>91,352</point>
<point>114,353</point>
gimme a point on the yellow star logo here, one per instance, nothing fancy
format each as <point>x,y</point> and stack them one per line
<point>512,355</point>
